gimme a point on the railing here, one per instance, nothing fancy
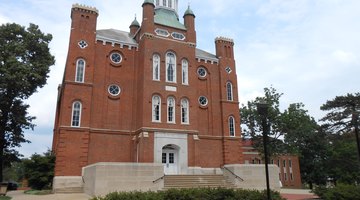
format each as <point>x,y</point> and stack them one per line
<point>236,176</point>
<point>162,177</point>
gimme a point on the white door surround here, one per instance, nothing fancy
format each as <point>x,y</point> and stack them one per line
<point>172,144</point>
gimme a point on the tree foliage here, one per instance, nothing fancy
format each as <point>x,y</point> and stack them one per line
<point>293,131</point>
<point>340,110</point>
<point>24,66</point>
<point>39,170</point>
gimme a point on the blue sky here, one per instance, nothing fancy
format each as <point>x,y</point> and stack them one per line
<point>307,49</point>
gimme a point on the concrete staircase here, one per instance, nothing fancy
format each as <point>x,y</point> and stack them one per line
<point>196,181</point>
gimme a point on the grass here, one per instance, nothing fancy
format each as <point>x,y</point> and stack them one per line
<point>5,198</point>
<point>37,192</point>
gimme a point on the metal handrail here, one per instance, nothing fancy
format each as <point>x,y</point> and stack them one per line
<point>236,176</point>
<point>162,177</point>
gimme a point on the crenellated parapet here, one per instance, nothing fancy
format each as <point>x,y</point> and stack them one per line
<point>84,8</point>
<point>224,40</point>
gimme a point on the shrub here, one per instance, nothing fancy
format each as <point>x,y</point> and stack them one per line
<point>339,192</point>
<point>192,194</point>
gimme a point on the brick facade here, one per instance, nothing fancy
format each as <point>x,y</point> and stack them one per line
<point>120,128</point>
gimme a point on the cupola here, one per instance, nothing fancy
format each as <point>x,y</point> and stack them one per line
<point>167,4</point>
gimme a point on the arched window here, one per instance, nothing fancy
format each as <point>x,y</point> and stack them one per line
<point>80,70</point>
<point>156,109</point>
<point>171,110</point>
<point>185,72</point>
<point>156,67</point>
<point>171,67</point>
<point>229,91</point>
<point>76,114</point>
<point>184,111</point>
<point>231,126</point>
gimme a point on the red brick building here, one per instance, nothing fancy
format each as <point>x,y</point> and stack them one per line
<point>147,95</point>
<point>289,166</point>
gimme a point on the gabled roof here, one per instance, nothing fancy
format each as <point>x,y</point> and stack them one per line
<point>117,36</point>
<point>205,55</point>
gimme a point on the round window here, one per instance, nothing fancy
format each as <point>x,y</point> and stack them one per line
<point>114,90</point>
<point>201,72</point>
<point>203,101</point>
<point>116,58</point>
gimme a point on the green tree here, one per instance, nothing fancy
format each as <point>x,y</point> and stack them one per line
<point>343,164</point>
<point>39,170</point>
<point>304,137</point>
<point>24,66</point>
<point>343,116</point>
<point>251,122</point>
<point>293,131</point>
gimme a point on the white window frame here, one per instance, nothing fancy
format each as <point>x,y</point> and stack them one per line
<point>171,113</point>
<point>156,101</point>
<point>76,111</point>
<point>184,111</point>
<point>231,122</point>
<point>156,72</point>
<point>229,91</point>
<point>80,68</point>
<point>173,63</point>
<point>185,72</point>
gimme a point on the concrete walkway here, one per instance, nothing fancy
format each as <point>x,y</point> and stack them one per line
<point>19,195</point>
<point>297,194</point>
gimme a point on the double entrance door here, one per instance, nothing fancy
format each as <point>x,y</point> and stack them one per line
<point>169,160</point>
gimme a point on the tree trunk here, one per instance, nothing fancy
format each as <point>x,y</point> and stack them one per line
<point>311,185</point>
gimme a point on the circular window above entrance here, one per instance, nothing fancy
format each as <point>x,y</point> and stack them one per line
<point>116,58</point>
<point>203,101</point>
<point>114,90</point>
<point>201,72</point>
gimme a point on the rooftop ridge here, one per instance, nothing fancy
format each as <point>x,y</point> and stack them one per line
<point>224,39</point>
<point>85,7</point>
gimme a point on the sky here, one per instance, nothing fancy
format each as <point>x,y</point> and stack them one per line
<point>309,50</point>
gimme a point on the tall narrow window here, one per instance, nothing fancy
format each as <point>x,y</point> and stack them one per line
<point>164,2</point>
<point>156,67</point>
<point>156,109</point>
<point>80,71</point>
<point>76,114</point>
<point>170,67</point>
<point>231,126</point>
<point>185,72</point>
<point>229,90</point>
<point>157,2</point>
<point>184,111</point>
<point>171,109</point>
<point>170,4</point>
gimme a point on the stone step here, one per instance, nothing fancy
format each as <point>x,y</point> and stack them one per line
<point>69,190</point>
<point>196,181</point>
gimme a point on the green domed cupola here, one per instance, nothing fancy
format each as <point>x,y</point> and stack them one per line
<point>135,23</point>
<point>189,12</point>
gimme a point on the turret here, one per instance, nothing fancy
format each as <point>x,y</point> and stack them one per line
<point>134,27</point>
<point>148,16</point>
<point>83,18</point>
<point>224,47</point>
<point>189,22</point>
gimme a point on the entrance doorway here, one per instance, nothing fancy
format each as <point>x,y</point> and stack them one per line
<point>169,158</point>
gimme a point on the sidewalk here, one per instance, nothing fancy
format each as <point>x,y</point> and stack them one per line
<point>19,195</point>
<point>297,194</point>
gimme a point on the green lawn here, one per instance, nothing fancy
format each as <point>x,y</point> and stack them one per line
<point>5,198</point>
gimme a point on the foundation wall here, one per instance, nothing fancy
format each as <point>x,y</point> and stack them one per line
<point>103,178</point>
